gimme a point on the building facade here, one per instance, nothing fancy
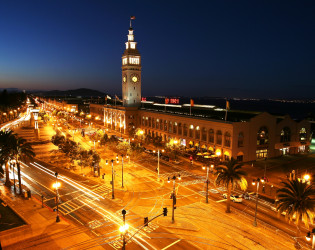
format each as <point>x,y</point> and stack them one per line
<point>262,136</point>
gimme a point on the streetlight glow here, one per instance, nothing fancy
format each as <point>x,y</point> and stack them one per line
<point>124,228</point>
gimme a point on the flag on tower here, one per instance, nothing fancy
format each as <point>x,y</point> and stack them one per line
<point>108,97</point>
<point>132,17</point>
<point>192,103</point>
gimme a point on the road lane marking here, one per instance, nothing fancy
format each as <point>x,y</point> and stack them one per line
<point>171,244</point>
<point>221,200</point>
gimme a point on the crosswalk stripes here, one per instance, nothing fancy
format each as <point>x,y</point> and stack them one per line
<point>187,183</point>
<point>102,190</point>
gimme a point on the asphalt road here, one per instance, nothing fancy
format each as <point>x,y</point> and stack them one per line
<point>90,204</point>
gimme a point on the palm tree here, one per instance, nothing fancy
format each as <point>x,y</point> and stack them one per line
<point>23,150</point>
<point>297,200</point>
<point>230,175</point>
<point>5,153</point>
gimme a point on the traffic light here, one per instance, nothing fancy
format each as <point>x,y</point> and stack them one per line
<point>146,221</point>
<point>165,211</point>
<point>191,159</point>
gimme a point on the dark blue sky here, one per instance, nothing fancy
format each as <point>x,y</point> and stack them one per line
<point>191,48</point>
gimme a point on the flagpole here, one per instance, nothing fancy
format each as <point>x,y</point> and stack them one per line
<point>226,109</point>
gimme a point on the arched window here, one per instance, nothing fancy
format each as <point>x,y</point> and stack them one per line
<point>153,122</point>
<point>285,135</point>
<point>302,134</point>
<point>170,127</point>
<point>185,130</point>
<point>165,125</point>
<point>179,128</point>
<point>175,128</point>
<point>150,124</point>
<point>161,125</point>
<point>219,137</point>
<point>211,135</point>
<point>191,130</point>
<point>262,136</point>
<point>227,139</point>
<point>203,134</point>
<point>197,133</point>
<point>240,142</point>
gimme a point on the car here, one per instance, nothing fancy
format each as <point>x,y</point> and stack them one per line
<point>234,198</point>
<point>245,196</point>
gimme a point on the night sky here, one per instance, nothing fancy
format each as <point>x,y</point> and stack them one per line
<point>263,49</point>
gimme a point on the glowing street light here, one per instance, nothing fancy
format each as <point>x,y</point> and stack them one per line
<point>254,183</point>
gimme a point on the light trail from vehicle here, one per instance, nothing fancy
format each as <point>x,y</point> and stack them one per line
<point>92,204</point>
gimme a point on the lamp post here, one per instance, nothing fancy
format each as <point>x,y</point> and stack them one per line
<point>311,236</point>
<point>113,188</point>
<point>56,185</point>
<point>254,183</point>
<point>207,181</point>
<point>158,167</point>
<point>173,195</point>
<point>13,165</point>
<point>124,229</point>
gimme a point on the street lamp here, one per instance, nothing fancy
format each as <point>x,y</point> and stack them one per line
<point>174,194</point>
<point>311,236</point>
<point>124,229</point>
<point>128,157</point>
<point>13,162</point>
<point>158,167</point>
<point>207,181</point>
<point>56,186</point>
<point>254,183</point>
<point>113,188</point>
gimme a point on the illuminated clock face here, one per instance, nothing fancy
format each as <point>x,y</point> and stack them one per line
<point>134,78</point>
<point>124,79</point>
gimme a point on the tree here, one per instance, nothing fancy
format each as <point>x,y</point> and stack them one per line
<point>5,153</point>
<point>230,175</point>
<point>297,200</point>
<point>23,150</point>
<point>123,147</point>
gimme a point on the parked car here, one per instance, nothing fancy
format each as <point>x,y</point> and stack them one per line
<point>245,196</point>
<point>234,198</point>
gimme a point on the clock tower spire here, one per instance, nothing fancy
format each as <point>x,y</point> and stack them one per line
<point>131,72</point>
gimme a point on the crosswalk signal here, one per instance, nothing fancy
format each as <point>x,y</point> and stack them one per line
<point>146,221</point>
<point>191,159</point>
<point>165,211</point>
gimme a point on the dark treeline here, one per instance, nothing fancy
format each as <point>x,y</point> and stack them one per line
<point>11,99</point>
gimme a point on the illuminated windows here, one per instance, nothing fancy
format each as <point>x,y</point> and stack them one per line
<point>302,134</point>
<point>134,60</point>
<point>262,136</point>
<point>263,153</point>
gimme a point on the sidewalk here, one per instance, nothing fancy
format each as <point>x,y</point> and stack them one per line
<point>41,230</point>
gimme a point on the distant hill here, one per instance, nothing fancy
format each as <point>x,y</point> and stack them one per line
<point>83,92</point>
<point>11,90</point>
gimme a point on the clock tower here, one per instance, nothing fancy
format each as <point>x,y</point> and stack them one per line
<point>131,73</point>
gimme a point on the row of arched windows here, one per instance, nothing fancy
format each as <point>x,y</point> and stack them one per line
<point>191,131</point>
